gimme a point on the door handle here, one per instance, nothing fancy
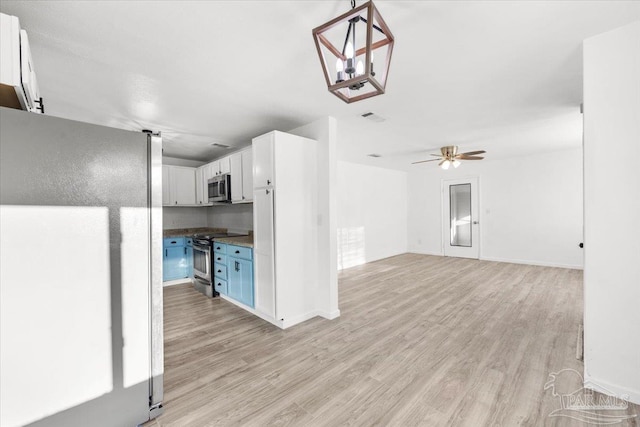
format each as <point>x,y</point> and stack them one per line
<point>475,222</point>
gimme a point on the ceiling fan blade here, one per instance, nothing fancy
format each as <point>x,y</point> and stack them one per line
<point>471,153</point>
<point>424,161</point>
<point>469,157</point>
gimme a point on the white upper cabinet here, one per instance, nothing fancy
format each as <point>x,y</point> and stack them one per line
<point>166,196</point>
<point>179,184</point>
<point>224,165</point>
<point>263,165</point>
<point>235,164</point>
<point>202,196</point>
<point>240,168</point>
<point>17,72</point>
<point>247,175</point>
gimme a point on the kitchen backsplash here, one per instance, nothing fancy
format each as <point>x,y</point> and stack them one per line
<point>182,217</point>
<point>237,217</point>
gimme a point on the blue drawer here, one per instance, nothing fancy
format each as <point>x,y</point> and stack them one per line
<point>173,241</point>
<point>220,286</point>
<point>220,259</point>
<point>220,271</point>
<point>219,248</point>
<point>240,252</point>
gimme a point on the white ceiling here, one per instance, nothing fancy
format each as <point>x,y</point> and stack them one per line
<point>504,76</point>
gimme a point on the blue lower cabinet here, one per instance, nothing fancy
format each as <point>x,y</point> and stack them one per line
<point>177,259</point>
<point>240,280</point>
<point>220,286</point>
<point>190,261</point>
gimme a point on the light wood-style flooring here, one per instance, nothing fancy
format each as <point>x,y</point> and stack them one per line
<point>422,341</point>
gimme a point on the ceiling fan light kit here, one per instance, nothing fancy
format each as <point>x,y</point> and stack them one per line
<point>348,43</point>
<point>449,156</point>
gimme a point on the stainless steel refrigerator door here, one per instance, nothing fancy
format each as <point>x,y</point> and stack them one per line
<point>75,276</point>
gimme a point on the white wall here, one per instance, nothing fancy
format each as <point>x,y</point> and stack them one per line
<point>530,208</point>
<point>184,217</point>
<point>372,213</point>
<point>325,131</point>
<point>237,217</point>
<point>174,161</point>
<point>612,210</point>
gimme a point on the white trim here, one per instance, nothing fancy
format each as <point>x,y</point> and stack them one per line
<point>282,324</point>
<point>329,314</point>
<point>611,389</point>
<point>176,282</point>
<point>425,253</point>
<point>532,262</point>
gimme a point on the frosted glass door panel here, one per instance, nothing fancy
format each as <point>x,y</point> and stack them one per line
<point>460,215</point>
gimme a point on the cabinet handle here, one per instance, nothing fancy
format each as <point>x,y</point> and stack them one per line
<point>176,202</point>
<point>268,182</point>
<point>237,252</point>
<point>219,271</point>
<point>219,259</point>
<point>237,266</point>
<point>185,250</point>
<point>267,191</point>
<point>166,252</point>
<point>174,242</point>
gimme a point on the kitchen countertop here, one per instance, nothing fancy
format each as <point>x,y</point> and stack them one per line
<point>246,241</point>
<point>175,232</point>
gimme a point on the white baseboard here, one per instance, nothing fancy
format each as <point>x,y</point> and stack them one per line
<point>176,282</point>
<point>283,324</point>
<point>512,261</point>
<point>609,389</point>
<point>529,262</point>
<point>298,319</point>
<point>426,253</point>
<point>329,314</point>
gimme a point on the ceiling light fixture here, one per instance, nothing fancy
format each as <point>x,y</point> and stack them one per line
<point>449,156</point>
<point>366,32</point>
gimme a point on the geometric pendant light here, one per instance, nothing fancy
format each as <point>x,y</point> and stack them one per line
<point>355,52</point>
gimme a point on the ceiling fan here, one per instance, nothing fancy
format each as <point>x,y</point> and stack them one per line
<point>449,156</point>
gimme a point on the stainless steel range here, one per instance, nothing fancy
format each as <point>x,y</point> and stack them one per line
<point>203,261</point>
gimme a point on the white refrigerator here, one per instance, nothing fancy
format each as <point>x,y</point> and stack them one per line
<point>80,273</point>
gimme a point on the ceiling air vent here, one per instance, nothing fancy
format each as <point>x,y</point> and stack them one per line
<point>215,144</point>
<point>373,117</point>
<point>374,155</point>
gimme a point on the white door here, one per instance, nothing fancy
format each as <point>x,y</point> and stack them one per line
<point>263,252</point>
<point>460,222</point>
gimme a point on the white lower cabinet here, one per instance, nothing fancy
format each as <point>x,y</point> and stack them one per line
<point>285,229</point>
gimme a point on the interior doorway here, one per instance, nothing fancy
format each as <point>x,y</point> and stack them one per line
<point>460,223</point>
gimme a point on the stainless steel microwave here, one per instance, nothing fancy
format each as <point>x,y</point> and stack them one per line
<point>220,188</point>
